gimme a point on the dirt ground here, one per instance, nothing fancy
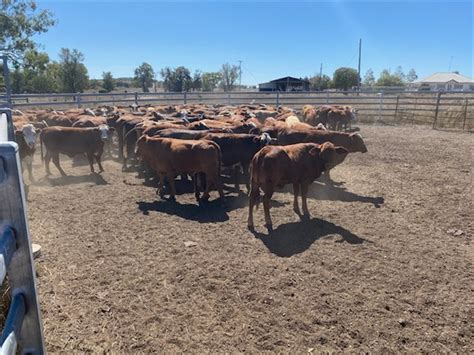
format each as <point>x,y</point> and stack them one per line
<point>380,267</point>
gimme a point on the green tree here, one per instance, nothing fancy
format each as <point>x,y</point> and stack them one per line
<point>369,78</point>
<point>345,78</point>
<point>316,82</point>
<point>144,76</point>
<point>108,82</point>
<point>388,79</point>
<point>20,21</point>
<point>176,80</point>
<point>229,75</point>
<point>399,73</point>
<point>73,73</point>
<point>411,76</point>
<point>210,81</point>
<point>197,80</point>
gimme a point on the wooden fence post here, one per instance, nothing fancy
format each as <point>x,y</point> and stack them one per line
<point>435,120</point>
<point>465,114</point>
<point>396,107</point>
<point>278,100</point>
<point>78,99</point>
<point>228,99</point>
<point>327,97</point>
<point>185,98</point>
<point>136,98</point>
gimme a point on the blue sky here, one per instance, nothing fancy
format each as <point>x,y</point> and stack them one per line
<point>273,39</point>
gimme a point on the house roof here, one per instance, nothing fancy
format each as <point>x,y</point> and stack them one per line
<point>288,78</point>
<point>444,77</point>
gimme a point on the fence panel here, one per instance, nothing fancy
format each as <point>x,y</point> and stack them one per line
<point>23,325</point>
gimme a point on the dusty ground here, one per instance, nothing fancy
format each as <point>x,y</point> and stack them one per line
<point>375,269</point>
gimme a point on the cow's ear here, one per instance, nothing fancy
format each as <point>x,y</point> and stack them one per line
<point>341,150</point>
<point>314,151</point>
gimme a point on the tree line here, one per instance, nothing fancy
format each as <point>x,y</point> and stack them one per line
<point>34,72</point>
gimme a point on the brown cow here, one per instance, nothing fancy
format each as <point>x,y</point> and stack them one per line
<point>73,141</point>
<point>353,142</point>
<point>170,157</point>
<point>298,164</point>
<point>26,140</point>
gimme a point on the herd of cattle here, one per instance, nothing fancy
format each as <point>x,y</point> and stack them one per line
<point>270,147</point>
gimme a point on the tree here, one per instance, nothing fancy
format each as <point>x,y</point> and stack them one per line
<point>210,81</point>
<point>197,80</point>
<point>108,82</point>
<point>399,73</point>
<point>316,83</point>
<point>73,73</point>
<point>411,76</point>
<point>144,76</point>
<point>345,78</point>
<point>176,80</point>
<point>229,74</point>
<point>20,20</point>
<point>369,78</point>
<point>388,79</point>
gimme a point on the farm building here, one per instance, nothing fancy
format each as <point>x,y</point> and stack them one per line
<point>288,83</point>
<point>448,81</point>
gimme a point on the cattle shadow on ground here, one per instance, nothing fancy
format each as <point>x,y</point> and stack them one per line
<point>95,178</point>
<point>332,192</point>
<point>295,238</point>
<point>212,211</point>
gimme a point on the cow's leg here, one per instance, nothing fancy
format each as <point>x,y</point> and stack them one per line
<point>29,166</point>
<point>327,176</point>
<point>245,170</point>
<point>253,199</point>
<point>170,178</point>
<point>197,193</point>
<point>90,157</point>
<point>207,188</point>
<point>296,192</point>
<point>218,184</point>
<point>120,142</point>
<point>47,159</point>
<point>98,158</point>
<point>161,185</point>
<point>304,195</point>
<point>56,163</point>
<point>266,208</point>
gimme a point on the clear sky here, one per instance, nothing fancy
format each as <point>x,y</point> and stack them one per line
<point>273,39</point>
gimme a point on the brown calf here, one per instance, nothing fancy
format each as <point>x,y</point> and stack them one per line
<point>298,164</point>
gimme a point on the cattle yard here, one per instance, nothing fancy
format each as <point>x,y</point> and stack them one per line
<point>383,265</point>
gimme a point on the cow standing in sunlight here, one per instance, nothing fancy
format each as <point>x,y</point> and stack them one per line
<point>299,164</point>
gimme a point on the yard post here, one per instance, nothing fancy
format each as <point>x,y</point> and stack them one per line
<point>185,98</point>
<point>465,114</point>
<point>228,99</point>
<point>278,100</point>
<point>327,97</point>
<point>78,100</point>
<point>136,98</point>
<point>435,120</point>
<point>396,107</point>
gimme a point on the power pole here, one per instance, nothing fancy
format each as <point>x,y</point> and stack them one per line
<point>321,77</point>
<point>358,67</point>
<point>240,75</point>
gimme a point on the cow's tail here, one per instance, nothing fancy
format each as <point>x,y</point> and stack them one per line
<point>254,192</point>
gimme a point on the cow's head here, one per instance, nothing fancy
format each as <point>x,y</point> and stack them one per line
<point>104,131</point>
<point>264,139</point>
<point>329,154</point>
<point>28,131</point>
<point>357,143</point>
<point>354,115</point>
